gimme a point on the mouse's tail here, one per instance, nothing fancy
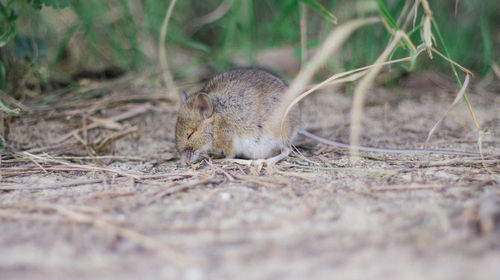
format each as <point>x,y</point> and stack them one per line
<point>382,150</point>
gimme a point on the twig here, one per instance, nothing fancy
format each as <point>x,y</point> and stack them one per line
<point>101,143</point>
<point>59,186</point>
<point>228,176</point>
<point>162,51</point>
<point>185,187</point>
<point>408,188</point>
<point>126,115</point>
<point>345,169</point>
<point>79,166</point>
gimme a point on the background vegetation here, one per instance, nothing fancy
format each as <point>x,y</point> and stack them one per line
<point>58,40</point>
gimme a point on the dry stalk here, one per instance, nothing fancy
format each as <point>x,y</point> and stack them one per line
<point>123,116</point>
<point>338,78</point>
<point>406,187</point>
<point>303,35</point>
<point>108,157</point>
<point>359,96</point>
<point>80,166</point>
<point>213,16</point>
<point>162,52</point>
<point>345,169</point>
<point>427,36</point>
<point>75,183</point>
<point>101,143</point>
<point>483,160</point>
<point>332,43</point>
<point>224,172</point>
<point>459,97</point>
<point>453,62</point>
<point>496,69</point>
<point>403,12</point>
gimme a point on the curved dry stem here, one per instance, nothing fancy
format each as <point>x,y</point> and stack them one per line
<point>359,96</point>
<point>162,52</point>
<point>332,81</point>
<point>332,43</point>
<point>453,62</point>
<point>483,159</point>
<point>213,16</point>
<point>459,96</point>
<point>496,69</point>
<point>303,35</point>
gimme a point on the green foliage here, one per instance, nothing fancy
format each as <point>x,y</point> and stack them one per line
<point>7,23</point>
<point>3,76</point>
<point>320,9</point>
<point>57,4</point>
<point>124,33</point>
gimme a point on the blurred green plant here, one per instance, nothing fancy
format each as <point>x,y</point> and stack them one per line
<point>121,32</point>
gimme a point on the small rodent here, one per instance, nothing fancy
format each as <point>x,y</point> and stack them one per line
<point>231,117</point>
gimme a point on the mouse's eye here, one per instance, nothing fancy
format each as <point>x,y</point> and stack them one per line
<point>190,134</point>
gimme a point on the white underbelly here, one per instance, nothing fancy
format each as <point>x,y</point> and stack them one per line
<point>264,147</point>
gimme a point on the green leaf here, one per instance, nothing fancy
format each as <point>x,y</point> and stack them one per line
<point>318,8</point>
<point>387,16</point>
<point>193,44</point>
<point>3,76</point>
<point>56,4</point>
<point>7,34</point>
<point>2,144</point>
<point>487,44</point>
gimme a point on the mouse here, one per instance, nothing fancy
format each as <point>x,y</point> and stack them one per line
<point>231,117</point>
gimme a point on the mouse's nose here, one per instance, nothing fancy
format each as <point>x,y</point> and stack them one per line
<point>186,157</point>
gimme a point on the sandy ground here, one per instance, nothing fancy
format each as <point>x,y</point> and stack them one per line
<point>126,209</point>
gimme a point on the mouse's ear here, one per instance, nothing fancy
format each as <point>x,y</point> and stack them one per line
<point>204,106</point>
<point>183,96</point>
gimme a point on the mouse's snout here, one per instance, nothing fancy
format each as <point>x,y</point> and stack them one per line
<point>186,157</point>
<point>189,157</point>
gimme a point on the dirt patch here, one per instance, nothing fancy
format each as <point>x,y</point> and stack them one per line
<point>112,202</point>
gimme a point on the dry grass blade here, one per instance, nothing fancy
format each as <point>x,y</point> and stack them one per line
<point>333,80</point>
<point>427,35</point>
<point>123,116</point>
<point>452,62</point>
<point>79,166</point>
<point>303,34</point>
<point>409,187</point>
<point>106,123</point>
<point>162,52</point>
<point>101,143</point>
<point>332,43</point>
<point>338,79</point>
<point>213,16</point>
<point>359,96</point>
<point>459,96</point>
<point>483,159</point>
<point>74,183</point>
<point>496,69</point>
